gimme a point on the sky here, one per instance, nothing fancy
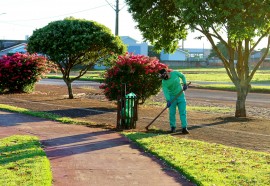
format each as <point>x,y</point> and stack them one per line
<point>19,18</point>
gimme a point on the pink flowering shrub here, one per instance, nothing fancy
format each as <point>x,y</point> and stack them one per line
<point>19,72</point>
<point>138,73</point>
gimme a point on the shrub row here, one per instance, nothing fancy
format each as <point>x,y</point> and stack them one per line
<point>19,72</point>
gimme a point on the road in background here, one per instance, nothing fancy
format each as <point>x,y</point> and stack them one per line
<point>258,99</point>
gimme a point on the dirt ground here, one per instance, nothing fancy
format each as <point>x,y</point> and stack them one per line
<point>90,105</point>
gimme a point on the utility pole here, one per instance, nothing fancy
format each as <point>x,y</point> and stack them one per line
<point>117,10</point>
<point>117,17</point>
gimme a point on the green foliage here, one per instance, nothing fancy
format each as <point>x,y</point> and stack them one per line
<point>76,44</point>
<point>242,19</point>
<point>137,72</point>
<point>159,21</point>
<point>19,72</point>
<point>164,22</point>
<point>207,163</point>
<point>23,162</point>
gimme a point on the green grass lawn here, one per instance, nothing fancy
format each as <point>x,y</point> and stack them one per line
<point>223,77</point>
<point>23,162</point>
<point>208,163</point>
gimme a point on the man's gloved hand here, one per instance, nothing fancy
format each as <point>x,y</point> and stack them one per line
<point>185,87</point>
<point>168,104</point>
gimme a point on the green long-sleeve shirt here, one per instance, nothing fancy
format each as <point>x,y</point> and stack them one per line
<point>172,86</point>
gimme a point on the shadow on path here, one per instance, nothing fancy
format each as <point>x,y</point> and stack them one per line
<point>82,143</point>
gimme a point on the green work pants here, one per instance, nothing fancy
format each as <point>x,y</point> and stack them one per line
<point>180,102</point>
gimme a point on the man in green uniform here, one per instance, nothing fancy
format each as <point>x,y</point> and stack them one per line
<point>171,86</point>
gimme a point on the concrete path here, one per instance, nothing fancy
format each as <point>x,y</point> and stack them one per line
<point>91,156</point>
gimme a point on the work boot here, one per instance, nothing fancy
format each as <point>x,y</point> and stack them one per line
<point>173,130</point>
<point>185,131</point>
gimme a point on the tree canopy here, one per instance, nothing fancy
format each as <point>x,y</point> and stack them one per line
<point>238,25</point>
<point>76,44</point>
<point>159,21</point>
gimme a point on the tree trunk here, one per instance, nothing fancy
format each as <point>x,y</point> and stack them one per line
<point>70,92</point>
<point>242,92</point>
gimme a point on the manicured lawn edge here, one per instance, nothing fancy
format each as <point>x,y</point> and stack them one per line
<point>207,163</point>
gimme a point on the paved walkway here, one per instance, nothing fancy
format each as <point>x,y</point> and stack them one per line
<point>91,156</point>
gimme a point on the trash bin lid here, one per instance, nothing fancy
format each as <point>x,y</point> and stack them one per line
<point>130,95</point>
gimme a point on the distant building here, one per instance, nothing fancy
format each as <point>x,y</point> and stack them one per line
<point>10,43</point>
<point>187,54</point>
<point>134,47</point>
<point>178,55</point>
<point>21,48</point>
<point>198,54</point>
<point>187,57</point>
<point>256,56</point>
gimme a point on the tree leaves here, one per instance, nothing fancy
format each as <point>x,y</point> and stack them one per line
<point>75,43</point>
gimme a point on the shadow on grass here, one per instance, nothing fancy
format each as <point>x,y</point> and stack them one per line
<point>16,152</point>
